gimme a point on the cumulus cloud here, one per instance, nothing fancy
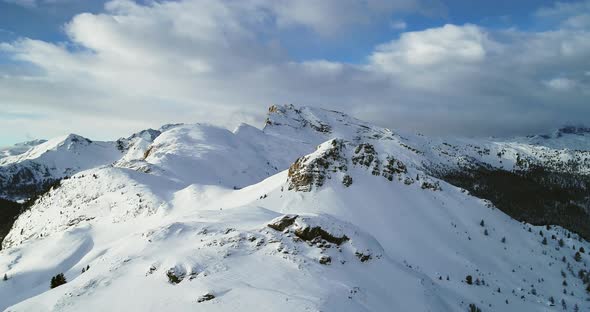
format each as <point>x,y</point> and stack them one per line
<point>139,65</point>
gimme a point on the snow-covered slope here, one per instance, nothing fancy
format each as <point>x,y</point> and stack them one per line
<point>574,138</point>
<point>318,211</point>
<point>24,174</point>
<point>19,148</point>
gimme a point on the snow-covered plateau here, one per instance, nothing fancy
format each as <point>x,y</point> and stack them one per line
<point>317,211</point>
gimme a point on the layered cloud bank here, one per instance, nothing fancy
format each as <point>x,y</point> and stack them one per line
<point>144,64</point>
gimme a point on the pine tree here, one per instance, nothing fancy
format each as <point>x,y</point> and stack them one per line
<point>544,242</point>
<point>578,257</point>
<point>58,280</point>
<point>504,240</point>
<point>485,232</point>
<point>561,242</point>
<point>83,270</point>
<point>469,280</point>
<point>5,278</point>
<point>473,308</point>
<point>552,300</point>
<point>582,250</point>
<point>482,223</point>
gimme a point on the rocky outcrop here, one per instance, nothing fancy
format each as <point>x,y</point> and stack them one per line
<point>335,157</point>
<point>327,234</point>
<point>313,170</point>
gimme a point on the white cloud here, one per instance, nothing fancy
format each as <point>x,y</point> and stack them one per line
<point>561,84</point>
<point>569,14</point>
<point>398,25</point>
<point>222,62</point>
<point>328,16</point>
<point>449,43</point>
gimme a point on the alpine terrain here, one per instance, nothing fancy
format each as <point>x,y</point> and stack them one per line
<point>318,211</point>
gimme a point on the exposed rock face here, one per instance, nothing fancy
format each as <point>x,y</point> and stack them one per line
<point>313,170</point>
<point>175,275</point>
<point>326,234</point>
<point>205,297</point>
<point>335,156</point>
<point>365,155</point>
<point>309,233</point>
<point>280,224</point>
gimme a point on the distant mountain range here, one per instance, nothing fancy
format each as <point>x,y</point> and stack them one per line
<point>317,211</point>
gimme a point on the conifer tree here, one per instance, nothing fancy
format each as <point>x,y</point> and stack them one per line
<point>58,280</point>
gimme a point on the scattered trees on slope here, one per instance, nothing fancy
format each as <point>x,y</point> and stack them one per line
<point>58,280</point>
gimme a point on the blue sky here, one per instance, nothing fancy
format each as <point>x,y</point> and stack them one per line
<point>45,21</point>
<point>441,67</point>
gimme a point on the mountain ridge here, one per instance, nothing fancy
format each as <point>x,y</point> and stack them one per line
<point>316,211</point>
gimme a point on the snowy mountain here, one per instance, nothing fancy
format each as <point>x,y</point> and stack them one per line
<point>570,137</point>
<point>19,148</point>
<point>318,211</point>
<point>24,174</point>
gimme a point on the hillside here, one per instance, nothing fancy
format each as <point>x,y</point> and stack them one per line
<point>318,211</point>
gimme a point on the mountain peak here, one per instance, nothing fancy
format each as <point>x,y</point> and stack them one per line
<point>578,130</point>
<point>567,137</point>
<point>320,124</point>
<point>298,117</point>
